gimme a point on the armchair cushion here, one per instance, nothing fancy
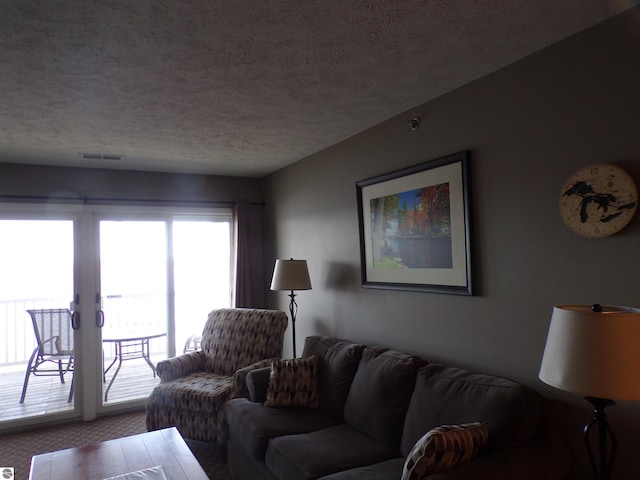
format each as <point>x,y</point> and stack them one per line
<point>194,404</point>
<point>198,392</point>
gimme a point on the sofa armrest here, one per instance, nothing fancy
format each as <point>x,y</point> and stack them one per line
<point>240,386</point>
<point>180,366</point>
<point>258,384</point>
<point>529,462</point>
<point>544,457</point>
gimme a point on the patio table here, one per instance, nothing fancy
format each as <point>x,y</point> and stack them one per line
<point>128,346</point>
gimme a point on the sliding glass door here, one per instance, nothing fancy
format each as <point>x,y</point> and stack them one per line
<point>36,287</point>
<point>159,278</point>
<point>202,276</point>
<point>138,283</point>
<point>134,306</point>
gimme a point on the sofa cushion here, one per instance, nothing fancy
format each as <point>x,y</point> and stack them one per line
<point>253,424</point>
<point>444,447</point>
<point>293,383</point>
<point>380,393</point>
<point>312,455</point>
<point>391,469</point>
<point>450,395</point>
<point>337,364</point>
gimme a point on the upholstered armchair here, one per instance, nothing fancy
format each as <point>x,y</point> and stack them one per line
<point>195,386</point>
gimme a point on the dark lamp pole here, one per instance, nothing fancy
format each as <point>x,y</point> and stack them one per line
<point>291,275</point>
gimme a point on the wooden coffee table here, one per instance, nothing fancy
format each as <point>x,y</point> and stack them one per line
<point>120,456</point>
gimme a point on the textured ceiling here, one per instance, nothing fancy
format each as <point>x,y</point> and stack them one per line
<point>245,88</point>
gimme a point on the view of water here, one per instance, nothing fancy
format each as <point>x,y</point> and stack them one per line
<point>423,252</point>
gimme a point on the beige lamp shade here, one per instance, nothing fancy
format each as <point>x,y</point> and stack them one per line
<point>594,353</point>
<point>290,275</point>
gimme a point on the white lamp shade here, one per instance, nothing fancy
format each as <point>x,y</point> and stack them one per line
<point>291,275</point>
<point>595,354</point>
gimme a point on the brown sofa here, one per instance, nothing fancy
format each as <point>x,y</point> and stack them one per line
<point>373,405</point>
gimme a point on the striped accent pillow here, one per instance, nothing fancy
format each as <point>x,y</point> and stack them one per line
<point>444,447</point>
<point>293,383</point>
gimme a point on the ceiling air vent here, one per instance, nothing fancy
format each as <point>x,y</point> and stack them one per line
<point>100,156</point>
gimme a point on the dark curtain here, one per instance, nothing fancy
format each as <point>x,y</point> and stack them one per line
<point>242,288</point>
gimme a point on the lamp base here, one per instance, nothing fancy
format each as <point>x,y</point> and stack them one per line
<point>293,309</point>
<point>607,443</point>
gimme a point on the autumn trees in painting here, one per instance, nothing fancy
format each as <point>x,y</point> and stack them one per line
<point>415,229</point>
<point>412,229</point>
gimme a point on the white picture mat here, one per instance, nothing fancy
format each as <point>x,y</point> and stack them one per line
<point>455,276</point>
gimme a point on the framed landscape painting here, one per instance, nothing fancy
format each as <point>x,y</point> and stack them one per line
<point>414,228</point>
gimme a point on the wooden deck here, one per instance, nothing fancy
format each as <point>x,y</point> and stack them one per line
<point>47,395</point>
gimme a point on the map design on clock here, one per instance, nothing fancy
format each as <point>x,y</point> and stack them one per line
<point>607,203</point>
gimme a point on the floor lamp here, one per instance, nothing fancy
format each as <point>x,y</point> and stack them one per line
<point>291,275</point>
<point>594,351</point>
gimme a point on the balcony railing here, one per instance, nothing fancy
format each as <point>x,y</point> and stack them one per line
<point>46,395</point>
<point>123,312</point>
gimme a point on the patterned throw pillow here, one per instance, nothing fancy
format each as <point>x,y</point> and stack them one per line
<point>444,447</point>
<point>293,383</point>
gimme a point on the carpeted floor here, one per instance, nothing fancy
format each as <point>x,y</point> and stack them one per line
<point>16,449</point>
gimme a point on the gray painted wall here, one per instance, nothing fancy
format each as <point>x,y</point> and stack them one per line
<point>528,127</point>
<point>46,181</point>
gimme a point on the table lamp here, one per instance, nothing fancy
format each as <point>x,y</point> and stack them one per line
<point>594,351</point>
<point>291,275</point>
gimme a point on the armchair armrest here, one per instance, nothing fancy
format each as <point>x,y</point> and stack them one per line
<point>180,366</point>
<point>240,386</point>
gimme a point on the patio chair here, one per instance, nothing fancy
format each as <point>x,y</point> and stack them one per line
<point>192,344</point>
<point>54,354</point>
<point>195,386</point>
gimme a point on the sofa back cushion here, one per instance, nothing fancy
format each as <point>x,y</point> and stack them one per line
<point>380,393</point>
<point>449,395</point>
<point>237,337</point>
<point>337,364</point>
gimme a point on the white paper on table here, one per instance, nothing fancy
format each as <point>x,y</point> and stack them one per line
<point>153,473</point>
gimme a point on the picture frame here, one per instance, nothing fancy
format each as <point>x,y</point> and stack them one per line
<point>415,230</point>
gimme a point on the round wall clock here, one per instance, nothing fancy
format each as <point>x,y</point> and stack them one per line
<point>598,200</point>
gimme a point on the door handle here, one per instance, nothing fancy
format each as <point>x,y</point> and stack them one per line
<point>99,312</point>
<point>75,316</point>
<point>99,319</point>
